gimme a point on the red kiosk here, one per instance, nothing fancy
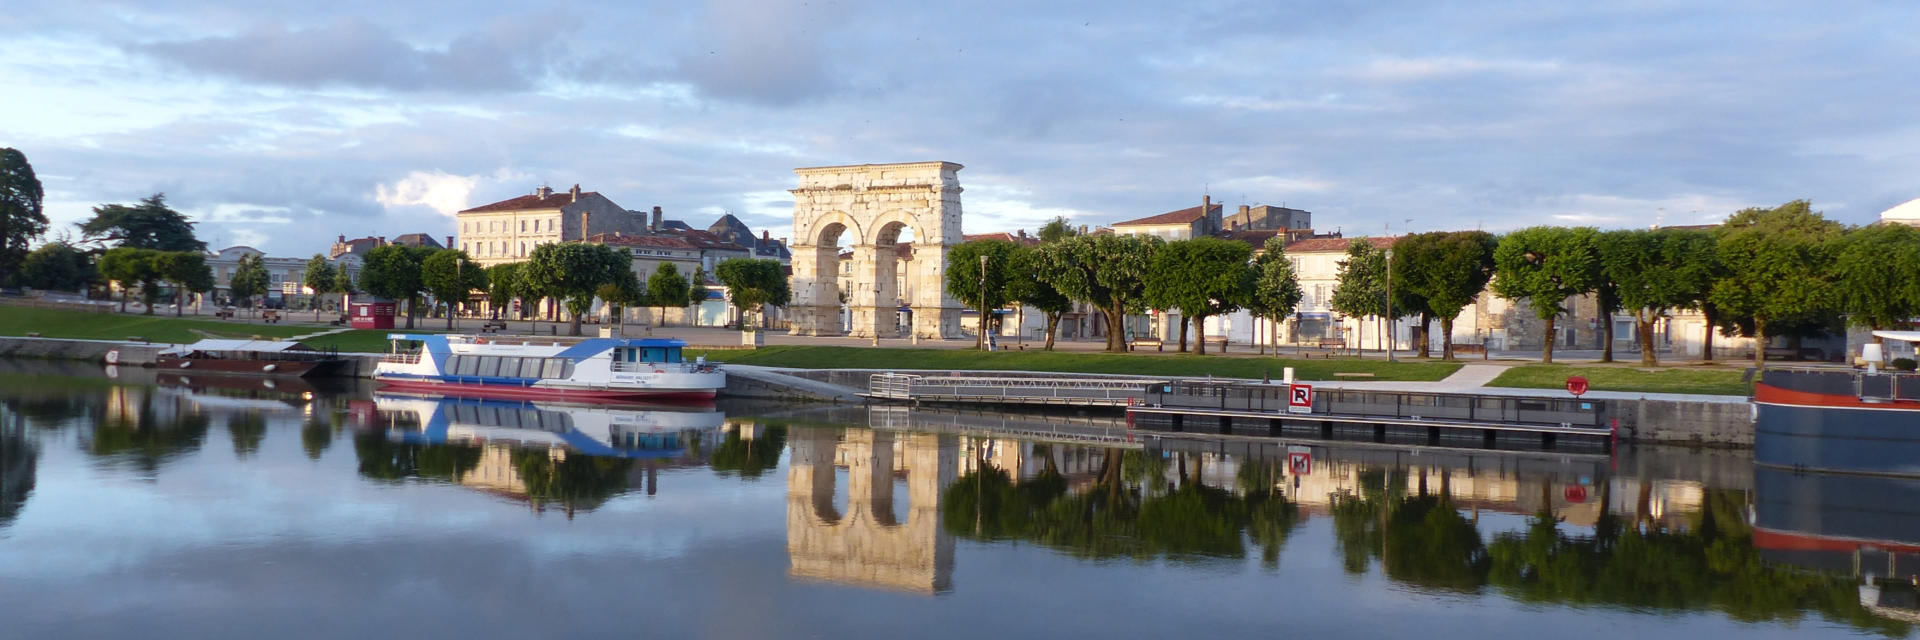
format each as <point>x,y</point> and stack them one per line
<point>372,313</point>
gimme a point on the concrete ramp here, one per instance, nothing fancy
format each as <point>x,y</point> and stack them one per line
<point>748,381</point>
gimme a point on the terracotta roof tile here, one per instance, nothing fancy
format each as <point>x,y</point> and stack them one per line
<point>1188,214</point>
<point>650,242</point>
<point>556,200</point>
<point>1311,245</point>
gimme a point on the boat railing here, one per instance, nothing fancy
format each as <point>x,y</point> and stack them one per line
<point>663,367</point>
<point>1877,386</point>
<point>401,358</point>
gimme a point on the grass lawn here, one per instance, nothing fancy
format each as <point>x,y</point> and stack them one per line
<point>58,323</point>
<point>805,357</point>
<point>364,340</point>
<point>1716,380</point>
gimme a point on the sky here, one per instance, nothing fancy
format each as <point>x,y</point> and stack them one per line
<point>282,125</point>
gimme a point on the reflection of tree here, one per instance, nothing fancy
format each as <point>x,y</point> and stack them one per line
<point>577,483</point>
<point>1420,539</point>
<point>1132,511</point>
<point>19,462</point>
<point>750,458</point>
<point>1270,516</point>
<point>1710,565</point>
<point>248,428</point>
<point>315,436</point>
<point>384,459</point>
<point>144,438</point>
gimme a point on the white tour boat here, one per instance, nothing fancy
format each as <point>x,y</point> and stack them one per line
<point>537,368</point>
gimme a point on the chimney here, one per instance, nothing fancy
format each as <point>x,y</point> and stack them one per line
<point>765,235</point>
<point>380,242</point>
<point>343,238</point>
<point>449,242</point>
<point>656,218</point>
<point>583,225</point>
<point>543,192</point>
<point>575,193</point>
<point>783,241</point>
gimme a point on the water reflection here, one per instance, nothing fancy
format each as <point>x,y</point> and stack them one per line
<point>19,462</point>
<point>865,543</point>
<point>548,455</point>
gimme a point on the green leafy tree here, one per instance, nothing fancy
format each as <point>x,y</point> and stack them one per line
<point>623,293</point>
<point>573,272</point>
<point>320,277</point>
<point>1697,249</point>
<point>965,278</point>
<point>1872,294</point>
<point>189,273</point>
<point>667,288</point>
<point>58,266</point>
<point>503,285</point>
<point>1360,287</point>
<point>451,277</point>
<point>1446,271</point>
<point>1106,271</point>
<point>1779,265</point>
<point>1056,230</point>
<point>754,284</point>
<point>1544,266</point>
<point>1037,294</point>
<point>1201,277</point>
<point>697,289</point>
<point>1276,288</point>
<point>749,457</point>
<point>148,225</point>
<point>1653,272</point>
<point>132,268</point>
<point>22,218</point>
<point>393,272</point>
<point>249,279</point>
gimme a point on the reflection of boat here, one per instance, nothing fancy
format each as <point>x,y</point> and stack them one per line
<point>1865,527</point>
<point>257,357</point>
<point>549,368</point>
<point>616,430</point>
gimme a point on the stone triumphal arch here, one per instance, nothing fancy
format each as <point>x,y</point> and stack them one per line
<point>871,204</point>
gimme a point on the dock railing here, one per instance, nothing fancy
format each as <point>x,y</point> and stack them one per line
<point>1009,390</point>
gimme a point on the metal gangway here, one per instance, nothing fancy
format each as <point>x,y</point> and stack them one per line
<point>1078,392</point>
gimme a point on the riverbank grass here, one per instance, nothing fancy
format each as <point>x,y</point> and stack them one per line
<point>60,323</point>
<point>809,357</point>
<point>1700,380</point>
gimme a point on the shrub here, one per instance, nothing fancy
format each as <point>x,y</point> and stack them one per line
<point>1904,364</point>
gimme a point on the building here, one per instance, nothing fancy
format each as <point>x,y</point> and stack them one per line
<point>1184,224</point>
<point>508,230</point>
<point>1268,218</point>
<point>286,277</point>
<point>1907,213</point>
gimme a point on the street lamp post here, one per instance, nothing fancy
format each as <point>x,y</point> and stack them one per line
<point>1390,332</point>
<point>983,303</point>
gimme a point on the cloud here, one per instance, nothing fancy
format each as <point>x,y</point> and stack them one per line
<point>437,190</point>
<point>353,52</point>
<point>771,53</point>
<point>1422,69</point>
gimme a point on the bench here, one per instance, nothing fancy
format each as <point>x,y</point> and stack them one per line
<point>1460,349</point>
<point>1335,345</point>
<point>270,316</point>
<point>223,313</point>
<point>1352,375</point>
<point>493,327</point>
<point>1217,341</point>
<point>1156,344</point>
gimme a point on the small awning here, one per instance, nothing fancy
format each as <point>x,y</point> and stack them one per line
<point>1903,336</point>
<point>243,345</point>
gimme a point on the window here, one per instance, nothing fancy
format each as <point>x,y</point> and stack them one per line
<point>489,366</point>
<point>523,249</point>
<point>523,226</point>
<point>530,367</point>
<point>554,368</point>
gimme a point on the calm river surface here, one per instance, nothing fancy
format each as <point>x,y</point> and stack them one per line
<point>148,505</point>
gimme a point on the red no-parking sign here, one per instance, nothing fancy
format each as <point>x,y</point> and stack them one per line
<point>1300,399</point>
<point>1299,460</point>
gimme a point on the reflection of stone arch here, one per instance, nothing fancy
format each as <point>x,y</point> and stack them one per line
<point>866,545</point>
<point>874,202</point>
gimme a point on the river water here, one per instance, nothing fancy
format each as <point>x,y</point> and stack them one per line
<point>144,505</point>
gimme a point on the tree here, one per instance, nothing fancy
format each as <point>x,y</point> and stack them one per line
<point>1873,295</point>
<point>58,266</point>
<point>393,272</point>
<point>148,225</point>
<point>573,271</point>
<point>1654,272</point>
<point>625,291</point>
<point>451,277</point>
<point>965,278</point>
<point>249,279</point>
<point>1056,230</point>
<point>1446,271</point>
<point>130,268</point>
<point>1360,288</point>
<point>189,273</point>
<point>1036,294</point>
<point>343,285</point>
<point>754,284</point>
<point>1201,277</point>
<point>22,218</point>
<point>503,285</point>
<point>667,288</point>
<point>320,278</point>
<point>1698,249</point>
<point>1544,266</point>
<point>697,289</point>
<point>1106,271</point>
<point>1276,288</point>
<point>1779,268</point>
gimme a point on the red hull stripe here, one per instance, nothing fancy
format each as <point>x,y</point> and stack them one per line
<point>1775,395</point>
<point>547,393</point>
<point>1783,541</point>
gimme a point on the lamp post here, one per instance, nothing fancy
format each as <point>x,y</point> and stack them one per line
<point>983,303</point>
<point>1390,345</point>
